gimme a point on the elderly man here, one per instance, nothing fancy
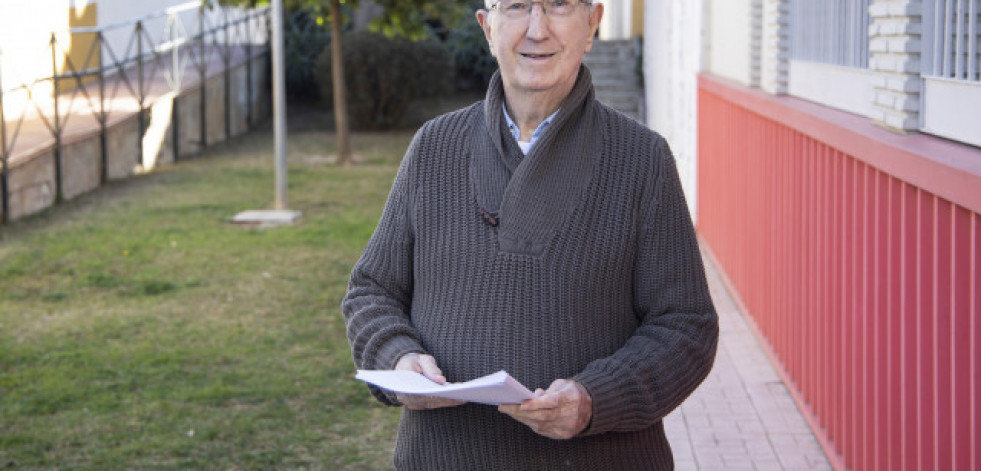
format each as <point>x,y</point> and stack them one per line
<point>542,233</point>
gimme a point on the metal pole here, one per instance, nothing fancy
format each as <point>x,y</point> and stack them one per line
<point>248,69</point>
<point>203,77</point>
<point>102,111</point>
<point>4,191</point>
<point>279,103</point>
<point>228,79</point>
<point>175,63</point>
<point>279,215</point>
<point>57,119</point>
<point>139,67</point>
<point>175,86</point>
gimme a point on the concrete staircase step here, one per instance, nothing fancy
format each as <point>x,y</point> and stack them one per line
<point>617,85</point>
<point>613,65</point>
<point>624,103</point>
<point>612,70</point>
<point>629,108</point>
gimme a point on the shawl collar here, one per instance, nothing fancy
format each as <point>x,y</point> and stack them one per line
<point>533,195</point>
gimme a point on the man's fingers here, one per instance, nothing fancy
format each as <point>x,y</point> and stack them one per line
<point>430,370</point>
<point>423,364</point>
<point>543,400</point>
<point>409,362</point>
<point>561,412</point>
<point>426,365</point>
<point>419,402</point>
<point>540,415</point>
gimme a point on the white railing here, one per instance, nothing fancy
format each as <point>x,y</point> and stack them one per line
<point>834,32</point>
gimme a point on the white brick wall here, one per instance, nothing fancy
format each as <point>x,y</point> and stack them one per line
<point>895,49</point>
<point>775,46</point>
<point>756,42</point>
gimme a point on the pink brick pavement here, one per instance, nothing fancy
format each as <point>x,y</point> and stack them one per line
<point>742,417</point>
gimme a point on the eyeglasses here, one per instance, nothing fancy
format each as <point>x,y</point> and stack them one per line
<point>521,9</point>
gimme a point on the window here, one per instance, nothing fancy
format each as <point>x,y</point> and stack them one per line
<point>951,71</point>
<point>829,54</point>
<point>834,32</point>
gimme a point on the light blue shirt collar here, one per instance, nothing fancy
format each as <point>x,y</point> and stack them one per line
<point>537,133</point>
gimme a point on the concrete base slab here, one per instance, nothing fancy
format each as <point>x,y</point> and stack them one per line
<point>263,219</point>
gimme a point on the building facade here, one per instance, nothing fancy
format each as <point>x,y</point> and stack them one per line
<point>832,152</point>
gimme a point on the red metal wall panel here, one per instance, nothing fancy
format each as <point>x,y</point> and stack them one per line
<point>908,369</point>
<point>863,281</point>
<point>926,347</point>
<point>975,340</point>
<point>961,338</point>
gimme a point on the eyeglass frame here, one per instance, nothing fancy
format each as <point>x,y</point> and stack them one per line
<point>540,2</point>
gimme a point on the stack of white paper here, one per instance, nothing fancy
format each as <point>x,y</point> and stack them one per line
<point>497,388</point>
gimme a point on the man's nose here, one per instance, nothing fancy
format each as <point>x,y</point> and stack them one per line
<point>537,27</point>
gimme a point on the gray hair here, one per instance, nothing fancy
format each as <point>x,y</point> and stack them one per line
<point>489,3</point>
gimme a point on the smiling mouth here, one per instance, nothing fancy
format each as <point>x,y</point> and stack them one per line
<point>537,56</point>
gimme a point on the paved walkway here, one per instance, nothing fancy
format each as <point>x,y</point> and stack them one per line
<point>30,116</point>
<point>742,417</point>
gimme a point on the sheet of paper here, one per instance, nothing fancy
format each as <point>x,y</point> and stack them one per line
<point>496,388</point>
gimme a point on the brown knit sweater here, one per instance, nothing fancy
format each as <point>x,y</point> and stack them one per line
<point>592,273</point>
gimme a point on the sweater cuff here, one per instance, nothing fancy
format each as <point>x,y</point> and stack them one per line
<point>607,404</point>
<point>393,349</point>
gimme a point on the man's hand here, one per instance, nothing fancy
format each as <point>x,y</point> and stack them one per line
<point>426,365</point>
<point>560,413</point>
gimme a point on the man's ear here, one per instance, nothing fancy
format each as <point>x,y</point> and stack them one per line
<point>595,16</point>
<point>483,19</point>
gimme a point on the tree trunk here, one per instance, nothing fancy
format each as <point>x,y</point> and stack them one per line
<point>340,89</point>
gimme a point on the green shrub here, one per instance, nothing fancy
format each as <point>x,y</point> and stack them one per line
<point>383,75</point>
<point>474,63</point>
<point>435,68</point>
<point>303,39</point>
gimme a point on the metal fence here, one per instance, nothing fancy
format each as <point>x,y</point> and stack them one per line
<point>164,52</point>
<point>954,27</point>
<point>830,31</point>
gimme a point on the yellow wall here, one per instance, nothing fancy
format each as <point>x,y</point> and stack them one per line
<point>637,17</point>
<point>82,51</point>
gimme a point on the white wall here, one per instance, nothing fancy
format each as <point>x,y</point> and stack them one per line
<point>617,17</point>
<point>112,11</point>
<point>124,12</point>
<point>672,59</point>
<point>24,37</point>
<point>730,30</point>
<point>25,32</point>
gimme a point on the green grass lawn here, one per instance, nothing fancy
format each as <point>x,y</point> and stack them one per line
<point>139,329</point>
